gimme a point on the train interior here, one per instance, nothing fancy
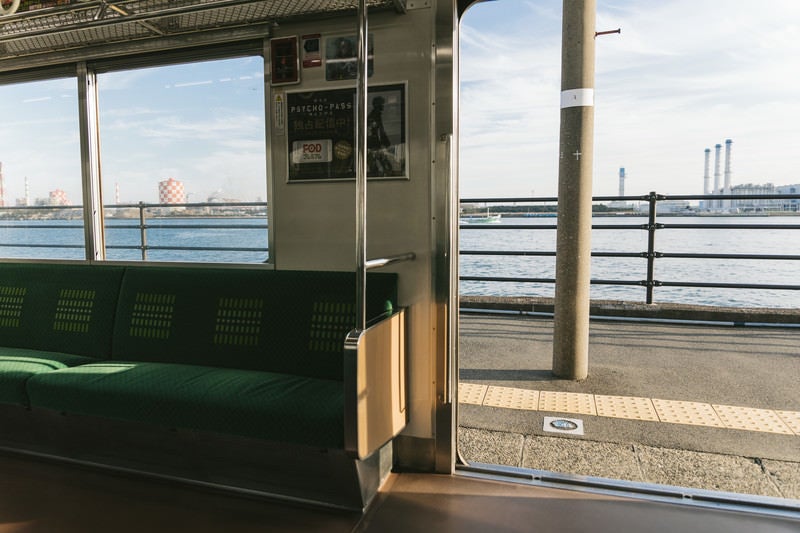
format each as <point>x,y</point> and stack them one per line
<point>314,387</point>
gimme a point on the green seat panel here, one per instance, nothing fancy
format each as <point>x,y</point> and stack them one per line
<point>254,404</point>
<point>64,308</point>
<point>317,310</point>
<point>208,316</point>
<point>17,365</point>
<point>290,322</point>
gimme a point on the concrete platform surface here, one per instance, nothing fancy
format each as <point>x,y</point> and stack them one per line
<point>714,408</point>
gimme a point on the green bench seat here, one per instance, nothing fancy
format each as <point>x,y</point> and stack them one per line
<point>244,352</point>
<point>53,316</point>
<point>263,405</point>
<point>231,376</point>
<point>17,365</point>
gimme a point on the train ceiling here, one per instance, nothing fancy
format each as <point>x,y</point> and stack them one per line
<point>52,26</point>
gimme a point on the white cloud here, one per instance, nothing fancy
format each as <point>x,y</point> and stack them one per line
<point>682,76</point>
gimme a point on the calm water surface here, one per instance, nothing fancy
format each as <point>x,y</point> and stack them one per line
<point>731,241</point>
<point>63,239</point>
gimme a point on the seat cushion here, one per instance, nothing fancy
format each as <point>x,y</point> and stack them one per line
<point>17,365</point>
<point>246,403</point>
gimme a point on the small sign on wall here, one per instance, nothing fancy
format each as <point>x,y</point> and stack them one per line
<point>278,108</point>
<point>312,56</point>
<point>284,61</point>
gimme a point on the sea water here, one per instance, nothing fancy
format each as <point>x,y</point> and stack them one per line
<point>208,240</point>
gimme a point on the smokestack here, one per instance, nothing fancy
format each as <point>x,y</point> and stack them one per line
<point>2,187</point>
<point>622,181</point>
<point>717,176</point>
<point>728,144</point>
<point>27,192</point>
<point>707,173</point>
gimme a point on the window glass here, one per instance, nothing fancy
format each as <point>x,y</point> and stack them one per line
<point>40,171</point>
<point>183,149</point>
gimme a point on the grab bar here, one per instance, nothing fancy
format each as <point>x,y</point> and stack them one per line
<point>384,261</point>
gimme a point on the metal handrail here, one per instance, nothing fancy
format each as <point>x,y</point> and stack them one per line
<point>390,260</point>
<point>651,254</point>
<point>138,223</point>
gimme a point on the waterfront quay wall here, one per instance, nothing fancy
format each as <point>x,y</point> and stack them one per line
<point>634,310</point>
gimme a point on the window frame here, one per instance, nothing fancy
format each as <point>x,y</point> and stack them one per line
<point>187,56</point>
<point>85,73</point>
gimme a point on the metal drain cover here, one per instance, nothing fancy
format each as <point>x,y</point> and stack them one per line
<point>556,424</point>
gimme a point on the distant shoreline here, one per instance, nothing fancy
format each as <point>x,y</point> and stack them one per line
<point>627,309</point>
<point>602,210</point>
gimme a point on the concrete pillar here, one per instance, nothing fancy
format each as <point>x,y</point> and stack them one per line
<point>573,243</point>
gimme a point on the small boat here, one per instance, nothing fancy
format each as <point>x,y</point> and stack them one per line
<point>487,219</point>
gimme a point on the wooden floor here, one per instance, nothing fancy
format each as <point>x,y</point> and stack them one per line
<point>38,496</point>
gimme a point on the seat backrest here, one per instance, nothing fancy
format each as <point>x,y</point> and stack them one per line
<point>59,307</point>
<point>317,309</point>
<point>280,321</point>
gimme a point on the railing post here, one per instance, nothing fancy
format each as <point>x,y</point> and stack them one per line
<point>142,231</point>
<point>651,243</point>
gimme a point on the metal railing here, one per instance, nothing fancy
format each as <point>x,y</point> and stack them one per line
<point>141,217</point>
<point>651,254</point>
<point>194,210</point>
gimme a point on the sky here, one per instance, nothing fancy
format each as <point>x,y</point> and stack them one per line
<point>202,124</point>
<point>204,120</point>
<point>682,76</point>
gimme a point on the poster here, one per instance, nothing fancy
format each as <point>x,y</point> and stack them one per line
<point>321,133</point>
<point>341,58</point>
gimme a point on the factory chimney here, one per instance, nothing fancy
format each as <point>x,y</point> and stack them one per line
<point>727,190</point>
<point>717,176</point>
<point>2,187</point>
<point>622,181</point>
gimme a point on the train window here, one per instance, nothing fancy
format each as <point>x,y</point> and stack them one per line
<point>40,171</point>
<point>183,158</point>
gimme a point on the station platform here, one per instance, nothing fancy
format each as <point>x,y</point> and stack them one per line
<point>709,407</point>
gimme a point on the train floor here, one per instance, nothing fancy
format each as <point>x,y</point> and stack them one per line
<point>39,496</point>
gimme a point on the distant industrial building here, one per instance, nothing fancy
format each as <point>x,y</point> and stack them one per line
<point>2,187</point>
<point>171,191</point>
<point>760,204</point>
<point>58,197</point>
<point>741,205</point>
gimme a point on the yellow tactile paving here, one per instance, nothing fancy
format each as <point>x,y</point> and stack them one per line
<point>751,419</point>
<point>791,419</point>
<point>471,393</point>
<point>567,402</point>
<point>511,398</point>
<point>634,408</point>
<point>691,413</point>
<point>629,407</point>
